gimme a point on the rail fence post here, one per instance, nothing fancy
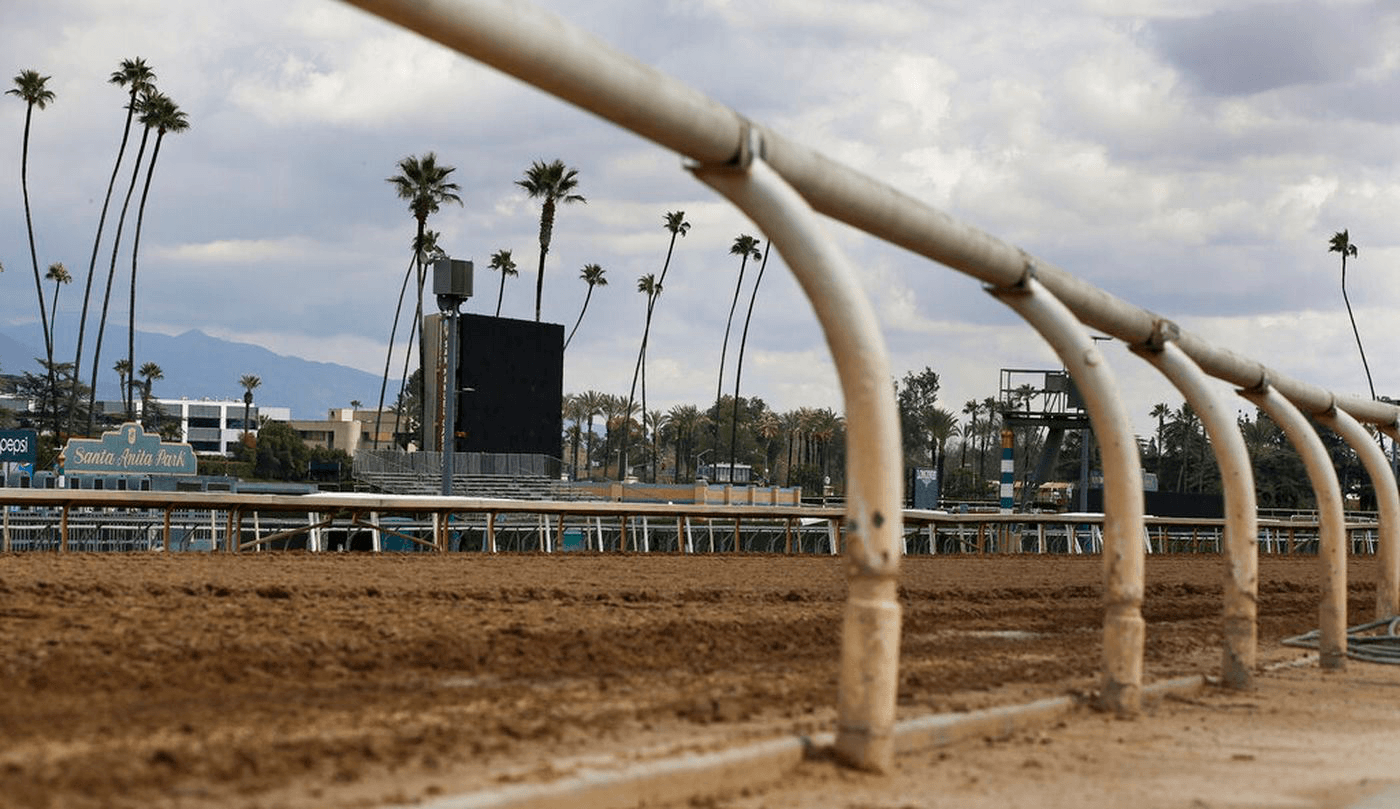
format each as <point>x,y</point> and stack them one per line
<point>1123,553</point>
<point>1241,545</point>
<point>870,630</point>
<point>1331,547</point>
<point>1387,501</point>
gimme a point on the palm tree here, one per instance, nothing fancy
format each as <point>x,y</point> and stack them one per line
<point>594,275</point>
<point>149,373</point>
<point>573,410</point>
<point>659,421</point>
<point>123,369</point>
<point>649,286</point>
<point>31,88</point>
<point>140,78</point>
<point>249,383</point>
<point>164,116</point>
<point>424,184</point>
<point>1341,243</point>
<point>745,247</point>
<point>142,104</point>
<point>592,402</point>
<point>943,425</point>
<point>1160,412</point>
<point>58,274</point>
<point>554,184</point>
<point>615,413</point>
<point>989,406</point>
<point>685,420</point>
<point>739,365</point>
<point>501,261</point>
<point>423,249</point>
<point>791,425</point>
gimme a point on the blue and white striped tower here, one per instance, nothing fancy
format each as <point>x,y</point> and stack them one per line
<point>1008,473</point>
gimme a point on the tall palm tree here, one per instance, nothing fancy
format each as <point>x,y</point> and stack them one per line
<point>502,263</point>
<point>594,275</point>
<point>649,286</point>
<point>1160,412</point>
<point>1341,243</point>
<point>554,183</point>
<point>745,247</point>
<point>739,364</point>
<point>423,249</point>
<point>165,116</point>
<point>249,383</point>
<point>58,274</point>
<point>142,104</point>
<point>31,88</point>
<point>124,379</point>
<point>136,75</point>
<point>424,184</point>
<point>149,373</point>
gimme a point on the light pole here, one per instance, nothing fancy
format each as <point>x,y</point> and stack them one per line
<point>452,284</point>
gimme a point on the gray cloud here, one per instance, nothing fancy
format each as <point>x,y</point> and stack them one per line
<point>1242,50</point>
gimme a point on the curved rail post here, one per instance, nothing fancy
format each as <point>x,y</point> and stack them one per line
<point>1123,553</point>
<point>1388,558</point>
<point>1332,546</point>
<point>1241,543</point>
<point>870,631</point>
<point>1387,502</point>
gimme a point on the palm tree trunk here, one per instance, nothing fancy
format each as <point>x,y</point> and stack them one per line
<point>34,259</point>
<point>546,228</point>
<point>1371,385</point>
<point>135,249</point>
<point>723,353</point>
<point>586,299</point>
<point>111,273</point>
<point>418,319</point>
<point>92,262</point>
<point>500,296</point>
<point>389,355</point>
<point>739,365</point>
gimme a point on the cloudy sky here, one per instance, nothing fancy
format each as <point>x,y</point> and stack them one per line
<point>1192,157</point>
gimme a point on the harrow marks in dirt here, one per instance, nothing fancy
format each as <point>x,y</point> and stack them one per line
<point>275,679</point>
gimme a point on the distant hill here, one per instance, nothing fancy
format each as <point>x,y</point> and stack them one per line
<point>198,366</point>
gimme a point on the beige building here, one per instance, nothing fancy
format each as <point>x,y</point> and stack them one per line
<point>346,429</point>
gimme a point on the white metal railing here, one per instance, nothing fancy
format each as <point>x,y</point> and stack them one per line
<point>577,67</point>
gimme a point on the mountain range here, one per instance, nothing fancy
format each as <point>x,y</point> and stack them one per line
<point>197,366</point>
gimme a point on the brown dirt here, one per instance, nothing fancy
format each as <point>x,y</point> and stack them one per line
<point>296,680</point>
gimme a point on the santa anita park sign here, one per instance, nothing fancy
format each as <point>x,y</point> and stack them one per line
<point>129,451</point>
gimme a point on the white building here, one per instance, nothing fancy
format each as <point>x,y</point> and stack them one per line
<point>215,425</point>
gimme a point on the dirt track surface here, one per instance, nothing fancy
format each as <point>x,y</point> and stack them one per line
<point>278,680</point>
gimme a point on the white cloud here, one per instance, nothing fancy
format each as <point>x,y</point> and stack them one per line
<point>241,251</point>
